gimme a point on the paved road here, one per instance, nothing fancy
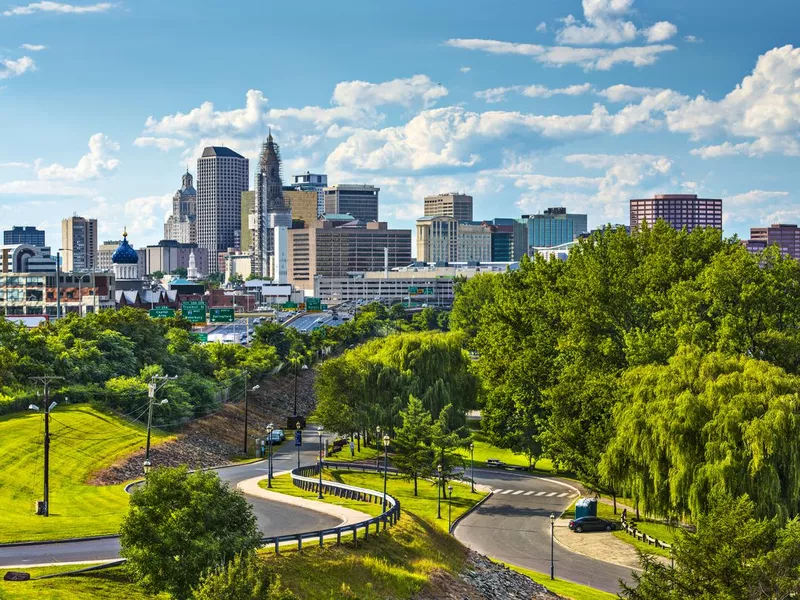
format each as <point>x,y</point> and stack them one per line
<point>513,526</point>
<point>273,518</point>
<point>312,321</point>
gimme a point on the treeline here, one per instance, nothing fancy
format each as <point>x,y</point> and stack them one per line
<point>661,365</point>
<point>108,358</point>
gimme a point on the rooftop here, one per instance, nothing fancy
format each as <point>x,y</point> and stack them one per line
<point>221,151</point>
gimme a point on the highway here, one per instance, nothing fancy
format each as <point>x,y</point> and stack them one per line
<point>311,321</point>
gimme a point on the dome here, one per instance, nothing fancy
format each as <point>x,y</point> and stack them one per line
<point>125,254</point>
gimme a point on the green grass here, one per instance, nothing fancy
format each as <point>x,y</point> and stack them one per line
<point>366,453</point>
<point>83,441</point>
<point>484,451</point>
<point>110,584</point>
<point>567,589</point>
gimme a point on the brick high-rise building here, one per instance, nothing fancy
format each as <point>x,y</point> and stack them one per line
<point>222,176</point>
<point>79,244</point>
<point>786,237</point>
<point>458,206</point>
<point>361,201</point>
<point>679,210</point>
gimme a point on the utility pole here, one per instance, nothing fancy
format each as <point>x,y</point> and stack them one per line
<point>245,396</point>
<point>152,388</point>
<point>45,381</point>
<point>58,285</point>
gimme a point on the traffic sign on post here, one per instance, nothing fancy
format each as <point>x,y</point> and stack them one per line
<point>298,437</point>
<point>194,311</point>
<point>313,304</point>
<point>162,312</point>
<point>221,315</point>
<point>201,337</point>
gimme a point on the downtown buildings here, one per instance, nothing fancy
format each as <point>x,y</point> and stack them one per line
<point>679,210</point>
<point>361,201</point>
<point>786,237</point>
<point>181,225</point>
<point>24,235</point>
<point>458,206</point>
<point>79,244</point>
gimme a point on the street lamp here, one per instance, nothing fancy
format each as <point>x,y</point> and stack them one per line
<point>439,491</point>
<point>319,430</point>
<point>472,466</point>
<point>298,445</point>
<point>146,465</point>
<point>246,407</point>
<point>552,538</point>
<point>297,361</point>
<point>449,506</point>
<point>378,438</point>
<point>270,429</point>
<point>386,441</point>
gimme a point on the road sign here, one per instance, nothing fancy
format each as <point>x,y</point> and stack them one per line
<point>194,311</point>
<point>313,303</point>
<point>420,291</point>
<point>162,312</point>
<point>298,438</point>
<point>221,315</point>
<point>324,307</point>
<point>201,337</point>
<point>289,305</point>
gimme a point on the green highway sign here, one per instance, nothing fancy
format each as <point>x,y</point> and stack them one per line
<point>324,307</point>
<point>201,337</point>
<point>420,291</point>
<point>162,312</point>
<point>313,304</point>
<point>221,315</point>
<point>289,305</point>
<point>194,311</point>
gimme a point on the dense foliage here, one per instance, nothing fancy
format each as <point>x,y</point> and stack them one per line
<point>180,525</point>
<point>659,364</point>
<point>246,577</point>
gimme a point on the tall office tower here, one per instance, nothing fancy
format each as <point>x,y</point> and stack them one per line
<point>509,239</point>
<point>474,242</point>
<point>437,239</point>
<point>679,210</point>
<point>246,239</point>
<point>555,227</point>
<point>181,225</point>
<point>303,204</point>
<point>24,235</point>
<point>104,254</point>
<point>313,182</point>
<point>786,237</point>
<point>361,201</point>
<point>79,243</point>
<point>270,209</point>
<point>222,176</point>
<point>458,206</point>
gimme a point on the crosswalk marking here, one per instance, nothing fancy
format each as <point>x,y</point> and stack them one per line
<point>498,491</point>
<point>551,494</point>
<point>506,491</point>
<point>540,493</point>
<point>503,492</point>
<point>563,495</point>
<point>528,493</point>
<point>518,492</point>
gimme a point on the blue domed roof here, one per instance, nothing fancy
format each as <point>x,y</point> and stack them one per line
<point>125,254</point>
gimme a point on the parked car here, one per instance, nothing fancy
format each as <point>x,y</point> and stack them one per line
<point>494,462</point>
<point>590,524</point>
<point>278,436</point>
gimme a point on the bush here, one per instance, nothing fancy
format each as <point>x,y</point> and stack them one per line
<point>246,577</point>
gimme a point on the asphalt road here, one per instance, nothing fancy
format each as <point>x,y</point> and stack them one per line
<point>514,527</point>
<point>273,518</point>
<point>311,321</point>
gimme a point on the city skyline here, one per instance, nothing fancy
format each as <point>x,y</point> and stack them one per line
<point>644,101</point>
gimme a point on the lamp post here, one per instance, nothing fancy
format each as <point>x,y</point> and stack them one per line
<point>319,430</point>
<point>472,465</point>
<point>386,441</point>
<point>449,506</point>
<point>270,429</point>
<point>297,360</point>
<point>297,426</point>
<point>439,491</point>
<point>552,538</point>
<point>378,438</point>
<point>246,408</point>
<point>152,388</point>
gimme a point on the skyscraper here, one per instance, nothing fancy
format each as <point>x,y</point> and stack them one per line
<point>303,204</point>
<point>786,237</point>
<point>555,227</point>
<point>679,210</point>
<point>181,225</point>
<point>361,201</point>
<point>458,206</point>
<point>269,209</point>
<point>24,235</point>
<point>79,243</point>
<point>222,176</point>
<point>313,181</point>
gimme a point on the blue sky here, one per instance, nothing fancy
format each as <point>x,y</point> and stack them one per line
<point>523,104</point>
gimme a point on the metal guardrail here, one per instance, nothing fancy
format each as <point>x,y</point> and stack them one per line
<point>631,530</point>
<point>307,478</point>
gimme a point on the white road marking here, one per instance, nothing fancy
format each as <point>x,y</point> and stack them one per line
<point>498,491</point>
<point>540,493</point>
<point>528,493</point>
<point>506,491</point>
<point>517,492</point>
<point>563,494</point>
<point>551,494</point>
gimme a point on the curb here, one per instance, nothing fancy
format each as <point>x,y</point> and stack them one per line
<point>108,536</point>
<point>608,562</point>
<point>471,510</point>
<point>138,482</point>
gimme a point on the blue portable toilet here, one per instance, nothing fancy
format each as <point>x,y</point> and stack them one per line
<point>586,507</point>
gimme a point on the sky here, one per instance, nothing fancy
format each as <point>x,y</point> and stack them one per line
<point>522,104</point>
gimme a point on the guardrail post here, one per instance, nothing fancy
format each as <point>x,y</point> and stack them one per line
<point>299,543</point>
<point>277,546</point>
<point>366,531</point>
<point>338,536</point>
<point>320,539</point>
<point>377,525</point>
<point>355,536</point>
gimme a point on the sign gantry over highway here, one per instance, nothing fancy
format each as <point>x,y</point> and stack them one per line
<point>221,315</point>
<point>162,312</point>
<point>194,311</point>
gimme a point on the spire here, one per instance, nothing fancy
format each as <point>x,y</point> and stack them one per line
<point>125,231</point>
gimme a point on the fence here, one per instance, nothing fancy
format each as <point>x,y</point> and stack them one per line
<point>307,478</point>
<point>630,529</point>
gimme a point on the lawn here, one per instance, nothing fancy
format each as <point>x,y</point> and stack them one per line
<point>365,454</point>
<point>567,589</point>
<point>484,451</point>
<point>109,584</point>
<point>82,441</point>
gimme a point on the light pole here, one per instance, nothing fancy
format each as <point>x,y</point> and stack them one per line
<point>297,360</point>
<point>152,388</point>
<point>449,506</point>
<point>472,465</point>
<point>48,406</point>
<point>386,441</point>
<point>439,491</point>
<point>378,438</point>
<point>552,538</point>
<point>319,430</point>
<point>270,428</point>
<point>297,426</point>
<point>246,408</point>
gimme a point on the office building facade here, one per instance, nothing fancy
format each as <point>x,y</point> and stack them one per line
<point>181,225</point>
<point>554,227</point>
<point>79,243</point>
<point>222,176</point>
<point>169,255</point>
<point>24,235</point>
<point>786,237</point>
<point>248,204</point>
<point>679,210</point>
<point>474,243</point>
<point>303,205</point>
<point>437,239</point>
<point>458,206</point>
<point>316,182</point>
<point>509,238</point>
<point>361,201</point>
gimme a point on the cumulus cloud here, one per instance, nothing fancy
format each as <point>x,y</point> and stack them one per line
<point>96,163</point>
<point>162,143</point>
<point>58,7</point>
<point>605,23</point>
<point>660,32</point>
<point>626,93</point>
<point>465,69</point>
<point>693,39</point>
<point>146,215</point>
<point>498,94</point>
<point>753,197</point>
<point>33,47</point>
<point>401,92</point>
<point>541,27</point>
<point>14,68</point>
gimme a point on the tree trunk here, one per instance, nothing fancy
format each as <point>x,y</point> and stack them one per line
<point>614,494</point>
<point>358,441</point>
<point>415,483</point>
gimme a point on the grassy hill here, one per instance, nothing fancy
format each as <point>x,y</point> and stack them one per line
<point>83,440</point>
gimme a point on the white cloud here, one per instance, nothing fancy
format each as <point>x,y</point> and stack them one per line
<point>660,32</point>
<point>42,188</point>
<point>33,47</point>
<point>532,91</point>
<point>693,39</point>
<point>605,23</point>
<point>397,91</point>
<point>541,27</point>
<point>58,7</point>
<point>753,197</point>
<point>626,93</point>
<point>96,163</point>
<point>146,215</point>
<point>465,69</point>
<point>14,68</point>
<point>15,165</point>
<point>496,47</point>
<point>162,143</point>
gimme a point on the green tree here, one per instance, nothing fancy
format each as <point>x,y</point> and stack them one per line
<point>157,275</point>
<point>180,525</point>
<point>397,312</point>
<point>180,272</point>
<point>413,455</point>
<point>446,443</point>
<point>246,577</point>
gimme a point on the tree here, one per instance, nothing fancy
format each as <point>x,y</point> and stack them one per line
<point>246,577</point>
<point>180,272</point>
<point>413,455</point>
<point>397,312</point>
<point>157,275</point>
<point>733,556</point>
<point>179,525</point>
<point>446,443</point>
